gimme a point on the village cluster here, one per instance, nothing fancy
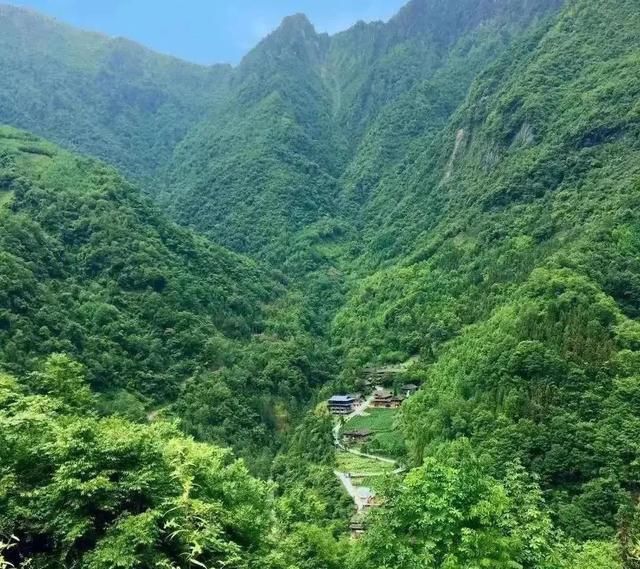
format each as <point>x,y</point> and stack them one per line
<point>346,406</point>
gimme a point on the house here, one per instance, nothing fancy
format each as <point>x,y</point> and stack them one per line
<point>367,498</point>
<point>383,399</point>
<point>341,404</point>
<point>357,436</point>
<point>409,389</point>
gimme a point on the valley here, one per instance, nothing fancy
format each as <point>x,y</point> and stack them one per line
<point>365,300</point>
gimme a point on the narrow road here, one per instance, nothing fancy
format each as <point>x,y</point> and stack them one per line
<point>351,490</point>
<point>345,478</point>
<point>372,456</point>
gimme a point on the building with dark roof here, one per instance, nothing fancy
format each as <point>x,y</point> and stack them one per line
<point>383,399</point>
<point>341,404</point>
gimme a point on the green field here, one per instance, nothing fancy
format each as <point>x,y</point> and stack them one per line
<point>376,483</point>
<point>361,465</point>
<point>386,441</point>
<point>377,420</point>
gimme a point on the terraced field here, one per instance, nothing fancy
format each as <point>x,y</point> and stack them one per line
<point>354,464</point>
<point>385,440</point>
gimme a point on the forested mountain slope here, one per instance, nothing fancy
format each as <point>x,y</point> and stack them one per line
<point>270,162</point>
<point>266,164</point>
<point>105,97</point>
<point>457,189</point>
<point>91,269</point>
<point>265,150</point>
<point>511,180</point>
<point>515,231</point>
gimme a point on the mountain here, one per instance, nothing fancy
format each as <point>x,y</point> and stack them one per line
<point>451,195</point>
<point>106,97</point>
<point>159,317</point>
<point>266,165</point>
<point>504,254</point>
<point>254,155</point>
<point>271,162</point>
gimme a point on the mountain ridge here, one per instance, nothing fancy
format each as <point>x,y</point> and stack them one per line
<point>452,196</point>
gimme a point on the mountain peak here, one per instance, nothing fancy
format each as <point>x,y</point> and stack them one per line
<point>295,38</point>
<point>297,21</point>
<point>295,27</point>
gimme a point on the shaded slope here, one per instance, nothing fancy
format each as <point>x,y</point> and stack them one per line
<point>515,233</point>
<point>272,160</point>
<point>264,166</point>
<point>106,97</point>
<point>141,298</point>
<point>158,315</point>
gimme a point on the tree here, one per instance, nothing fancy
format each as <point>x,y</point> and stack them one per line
<point>450,514</point>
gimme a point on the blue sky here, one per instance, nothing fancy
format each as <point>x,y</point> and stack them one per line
<point>207,31</point>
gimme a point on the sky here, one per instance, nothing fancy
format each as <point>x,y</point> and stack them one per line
<point>207,31</point>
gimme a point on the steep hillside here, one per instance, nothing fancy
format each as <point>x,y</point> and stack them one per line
<point>411,115</point>
<point>514,231</point>
<point>512,179</point>
<point>106,97</point>
<point>376,64</point>
<point>456,190</point>
<point>266,165</point>
<point>270,162</point>
<point>156,314</point>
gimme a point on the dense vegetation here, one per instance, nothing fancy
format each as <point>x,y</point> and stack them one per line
<point>271,160</point>
<point>106,97</point>
<point>156,314</point>
<point>456,190</point>
<point>77,489</point>
<point>516,230</point>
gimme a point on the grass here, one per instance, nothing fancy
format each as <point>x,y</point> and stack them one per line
<point>361,465</point>
<point>376,483</point>
<point>385,440</point>
<point>376,420</point>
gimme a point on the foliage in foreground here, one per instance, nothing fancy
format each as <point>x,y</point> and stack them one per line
<point>450,514</point>
<point>80,489</point>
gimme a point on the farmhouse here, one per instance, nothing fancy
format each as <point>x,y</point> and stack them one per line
<point>384,399</point>
<point>409,389</point>
<point>341,404</point>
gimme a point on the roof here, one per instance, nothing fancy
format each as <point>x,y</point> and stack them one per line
<point>383,395</point>
<point>364,493</point>
<point>341,399</point>
<point>409,386</point>
<point>358,433</point>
